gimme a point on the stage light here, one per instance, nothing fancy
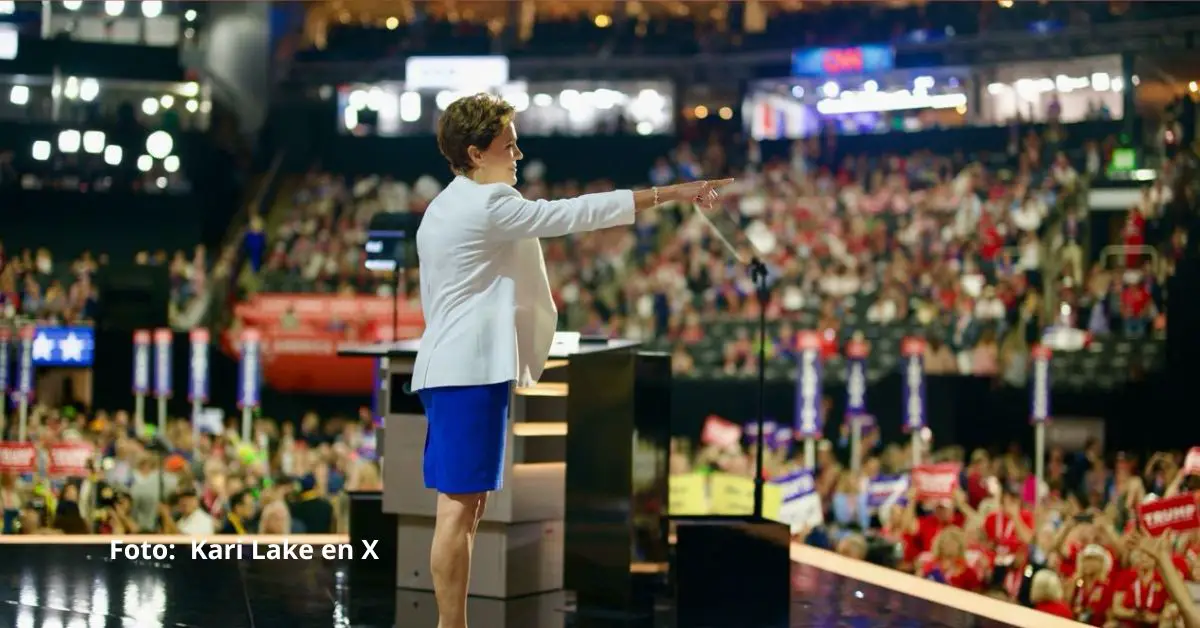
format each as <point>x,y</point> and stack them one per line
<point>161,182</point>
<point>93,142</point>
<point>159,144</point>
<point>114,8</point>
<point>112,155</point>
<point>89,89</point>
<point>192,106</point>
<point>167,101</point>
<point>392,23</point>
<point>171,163</point>
<point>68,141</point>
<point>41,150</point>
<point>152,8</point>
<point>150,106</point>
<point>189,15</point>
<point>410,107</point>
<point>830,89</point>
<point>71,88</point>
<point>19,95</point>
<point>145,163</point>
<point>72,5</point>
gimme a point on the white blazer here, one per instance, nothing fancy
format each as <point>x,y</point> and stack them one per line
<point>489,316</point>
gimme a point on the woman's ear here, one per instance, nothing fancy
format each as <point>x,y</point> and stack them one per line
<point>474,156</point>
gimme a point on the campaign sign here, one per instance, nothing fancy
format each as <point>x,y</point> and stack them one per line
<point>17,457</point>
<point>913,350</point>
<point>793,499</point>
<point>163,339</point>
<point>808,385</point>
<point>1039,411</point>
<point>1178,512</point>
<point>24,389</point>
<point>5,344</point>
<point>936,481</point>
<point>64,346</point>
<point>251,371</point>
<point>885,488</point>
<point>856,379</point>
<point>69,460</point>
<point>720,432</point>
<point>198,368</point>
<point>141,362</point>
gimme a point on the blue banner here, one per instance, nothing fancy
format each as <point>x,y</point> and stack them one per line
<point>251,370</point>
<point>141,362</point>
<point>808,386</point>
<point>913,350</point>
<point>1040,401</point>
<point>163,338</point>
<point>25,388</point>
<point>198,366</point>
<point>63,346</point>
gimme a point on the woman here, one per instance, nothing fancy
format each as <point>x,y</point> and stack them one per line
<point>1046,594</point>
<point>1138,602</point>
<point>948,563</point>
<point>489,315</point>
<point>275,519</point>
<point>1091,595</point>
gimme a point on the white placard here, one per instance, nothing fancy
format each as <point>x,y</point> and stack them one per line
<point>565,343</point>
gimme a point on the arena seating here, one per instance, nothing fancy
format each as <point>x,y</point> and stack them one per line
<point>902,250</point>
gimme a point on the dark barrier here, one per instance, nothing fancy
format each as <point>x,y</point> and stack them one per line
<point>967,411</point>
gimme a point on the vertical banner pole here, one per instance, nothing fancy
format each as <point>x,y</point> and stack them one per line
<point>25,386</point>
<point>856,399</point>
<point>808,394</point>
<point>198,380</point>
<point>163,339</point>
<point>248,380</point>
<point>1040,415</point>
<point>913,350</point>
<point>141,379</point>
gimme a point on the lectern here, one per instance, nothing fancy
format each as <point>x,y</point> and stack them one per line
<point>574,482</point>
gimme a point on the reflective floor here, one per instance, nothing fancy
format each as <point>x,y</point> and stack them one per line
<point>79,587</point>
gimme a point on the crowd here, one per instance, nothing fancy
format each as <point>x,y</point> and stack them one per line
<point>288,480</point>
<point>1076,550</point>
<point>966,252</point>
<point>35,287</point>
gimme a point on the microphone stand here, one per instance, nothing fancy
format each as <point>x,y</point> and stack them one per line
<point>758,274</point>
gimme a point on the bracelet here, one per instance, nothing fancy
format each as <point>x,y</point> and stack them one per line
<point>655,190</point>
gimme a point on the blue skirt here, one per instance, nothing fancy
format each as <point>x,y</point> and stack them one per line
<point>465,438</point>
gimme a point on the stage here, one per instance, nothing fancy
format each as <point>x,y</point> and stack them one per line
<point>72,582</point>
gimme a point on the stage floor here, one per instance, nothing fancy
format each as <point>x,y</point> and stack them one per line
<point>78,586</point>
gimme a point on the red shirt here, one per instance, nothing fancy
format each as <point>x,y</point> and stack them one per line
<point>929,526</point>
<point>1002,530</point>
<point>1055,608</point>
<point>977,488</point>
<point>1134,300</point>
<point>1142,594</point>
<point>1091,603</point>
<point>954,573</point>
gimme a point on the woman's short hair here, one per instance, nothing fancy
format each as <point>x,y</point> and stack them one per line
<point>950,534</point>
<point>1045,587</point>
<point>471,121</point>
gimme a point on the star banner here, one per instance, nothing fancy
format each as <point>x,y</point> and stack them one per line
<point>63,346</point>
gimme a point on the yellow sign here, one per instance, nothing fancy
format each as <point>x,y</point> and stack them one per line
<point>772,501</point>
<point>731,494</point>
<point>688,494</point>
